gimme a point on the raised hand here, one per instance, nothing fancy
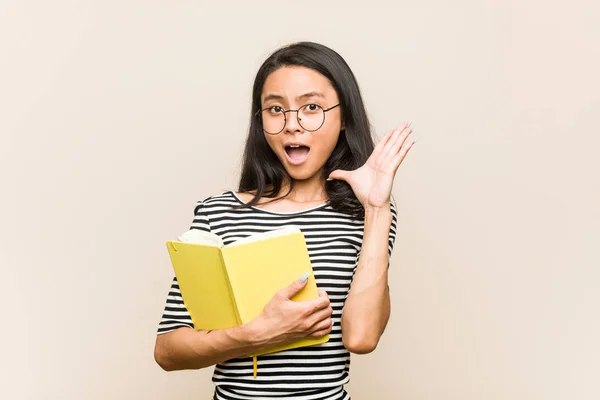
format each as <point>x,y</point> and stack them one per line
<point>372,183</point>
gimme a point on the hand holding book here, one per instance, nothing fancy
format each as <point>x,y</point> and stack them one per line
<point>253,282</point>
<point>283,321</point>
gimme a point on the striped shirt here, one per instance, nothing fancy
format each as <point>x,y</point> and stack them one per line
<point>333,240</point>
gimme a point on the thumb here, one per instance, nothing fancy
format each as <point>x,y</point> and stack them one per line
<point>295,287</point>
<point>339,174</point>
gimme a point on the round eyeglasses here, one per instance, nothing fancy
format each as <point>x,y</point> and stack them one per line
<point>311,117</point>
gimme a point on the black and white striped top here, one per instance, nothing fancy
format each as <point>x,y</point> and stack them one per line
<point>311,373</point>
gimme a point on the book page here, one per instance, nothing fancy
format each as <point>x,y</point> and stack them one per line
<point>266,235</point>
<point>197,236</point>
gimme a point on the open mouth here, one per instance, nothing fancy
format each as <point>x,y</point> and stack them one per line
<point>297,154</point>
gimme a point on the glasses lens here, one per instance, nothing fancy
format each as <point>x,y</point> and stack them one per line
<point>273,120</point>
<point>311,117</point>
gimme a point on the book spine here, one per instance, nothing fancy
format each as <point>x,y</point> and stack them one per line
<point>231,293</point>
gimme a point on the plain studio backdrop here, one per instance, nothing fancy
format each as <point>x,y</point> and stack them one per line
<point>117,116</point>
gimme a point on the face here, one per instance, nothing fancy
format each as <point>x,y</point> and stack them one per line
<point>303,153</point>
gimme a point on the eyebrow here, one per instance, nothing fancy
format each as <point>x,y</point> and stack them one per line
<point>273,96</point>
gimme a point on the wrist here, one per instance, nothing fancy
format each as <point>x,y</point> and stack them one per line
<point>254,334</point>
<point>378,211</point>
<point>377,219</point>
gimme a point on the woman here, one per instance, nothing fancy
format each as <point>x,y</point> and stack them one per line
<point>309,161</point>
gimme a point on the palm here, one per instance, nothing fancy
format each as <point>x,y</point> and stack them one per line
<point>372,183</point>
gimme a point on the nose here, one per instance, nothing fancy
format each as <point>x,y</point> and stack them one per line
<point>292,124</point>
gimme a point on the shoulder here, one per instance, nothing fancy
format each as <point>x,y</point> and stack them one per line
<point>208,209</point>
<point>226,198</point>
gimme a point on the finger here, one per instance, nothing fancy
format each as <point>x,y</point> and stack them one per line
<point>395,148</point>
<point>399,135</point>
<point>323,295</point>
<point>318,317</point>
<point>323,325</point>
<point>395,143</point>
<point>311,307</point>
<point>322,332</point>
<point>318,304</point>
<point>296,286</point>
<point>384,140</point>
<point>320,321</point>
<point>398,158</point>
<point>322,314</point>
<point>339,174</point>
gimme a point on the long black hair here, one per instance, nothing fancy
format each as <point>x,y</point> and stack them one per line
<point>260,165</point>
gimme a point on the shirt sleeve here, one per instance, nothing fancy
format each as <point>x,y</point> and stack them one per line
<point>392,235</point>
<point>175,314</point>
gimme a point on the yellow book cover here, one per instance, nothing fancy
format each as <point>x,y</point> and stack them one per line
<point>229,285</point>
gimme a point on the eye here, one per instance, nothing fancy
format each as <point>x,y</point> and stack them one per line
<point>312,107</point>
<point>275,109</point>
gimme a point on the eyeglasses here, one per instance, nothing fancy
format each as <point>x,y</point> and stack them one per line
<point>311,117</point>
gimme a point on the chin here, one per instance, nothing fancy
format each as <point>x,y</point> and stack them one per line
<point>301,173</point>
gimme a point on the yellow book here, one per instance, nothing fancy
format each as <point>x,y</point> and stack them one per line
<point>228,285</point>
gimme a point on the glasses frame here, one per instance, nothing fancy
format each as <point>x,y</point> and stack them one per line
<point>298,119</point>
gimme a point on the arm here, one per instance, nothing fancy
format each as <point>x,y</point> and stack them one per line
<point>281,321</point>
<point>186,348</point>
<point>367,308</point>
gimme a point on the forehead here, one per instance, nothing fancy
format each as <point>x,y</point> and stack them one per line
<point>290,82</point>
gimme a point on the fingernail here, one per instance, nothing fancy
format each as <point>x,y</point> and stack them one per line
<point>409,124</point>
<point>304,277</point>
<point>329,179</point>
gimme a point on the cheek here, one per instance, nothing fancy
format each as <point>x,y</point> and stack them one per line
<point>331,134</point>
<point>327,144</point>
<point>272,142</point>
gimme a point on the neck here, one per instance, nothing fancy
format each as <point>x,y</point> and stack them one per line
<point>305,191</point>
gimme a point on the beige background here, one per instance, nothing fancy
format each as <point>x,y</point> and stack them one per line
<point>116,116</point>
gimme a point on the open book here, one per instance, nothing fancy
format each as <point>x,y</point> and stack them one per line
<point>228,285</point>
